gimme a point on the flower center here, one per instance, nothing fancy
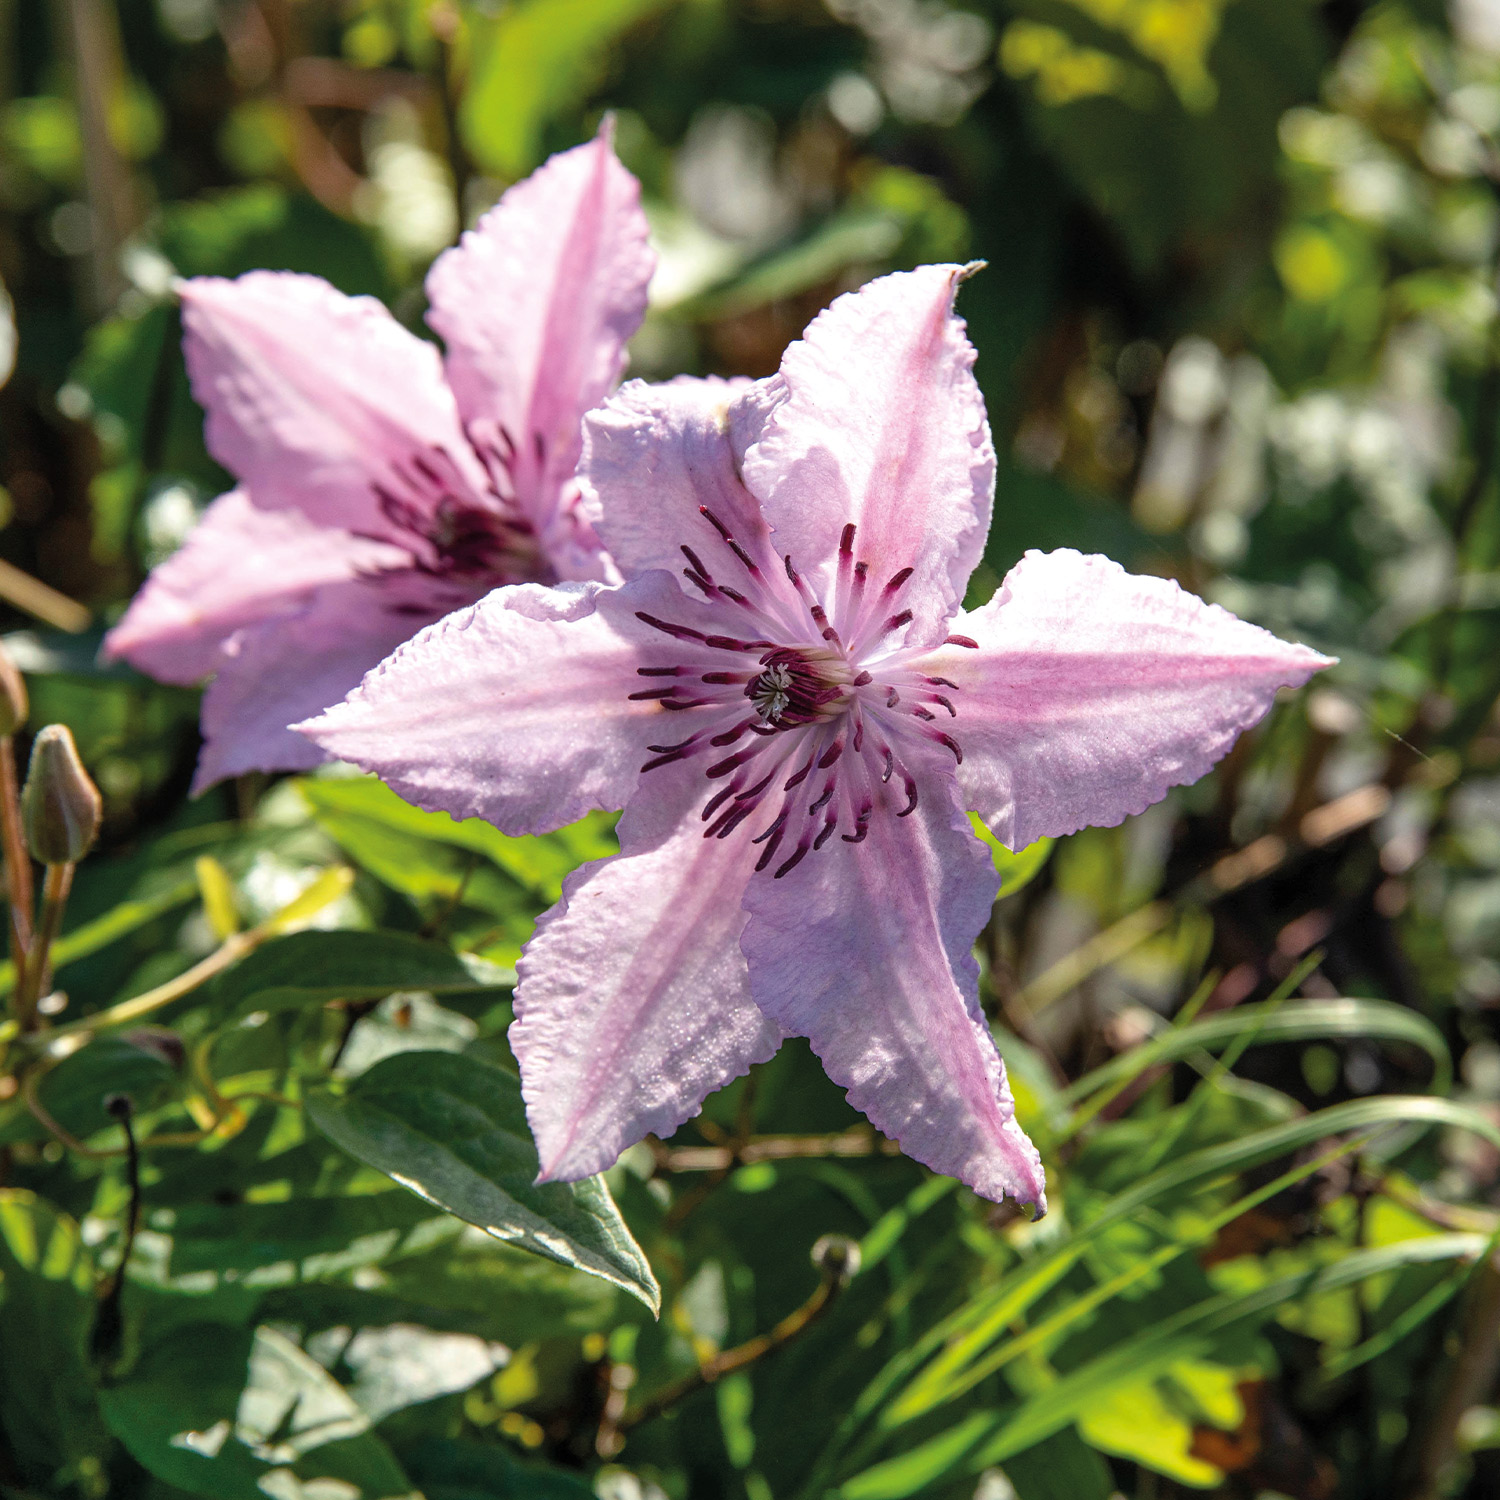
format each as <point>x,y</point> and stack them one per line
<point>771,693</point>
<point>798,687</point>
<point>458,532</point>
<point>811,701</point>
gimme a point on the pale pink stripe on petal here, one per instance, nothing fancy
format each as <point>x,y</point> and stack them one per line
<point>883,426</point>
<point>867,951</point>
<point>633,1003</point>
<point>239,565</point>
<point>1094,691</point>
<point>536,305</point>
<point>517,710</point>
<point>655,454</point>
<point>314,399</point>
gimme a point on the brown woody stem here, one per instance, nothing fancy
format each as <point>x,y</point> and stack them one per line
<point>834,1280</point>
<point>18,880</point>
<point>56,884</point>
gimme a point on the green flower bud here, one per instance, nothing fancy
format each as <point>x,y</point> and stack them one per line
<point>14,704</point>
<point>60,805</point>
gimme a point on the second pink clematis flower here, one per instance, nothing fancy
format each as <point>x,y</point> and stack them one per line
<point>381,484</point>
<point>794,713</point>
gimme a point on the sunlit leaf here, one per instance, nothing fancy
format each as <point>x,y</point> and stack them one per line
<point>1017,868</point>
<point>311,968</point>
<point>532,62</point>
<point>453,1129</point>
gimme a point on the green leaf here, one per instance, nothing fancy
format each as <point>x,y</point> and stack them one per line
<point>264,226</point>
<point>73,1093</point>
<point>986,1438</point>
<point>534,62</point>
<point>925,1464</point>
<point>1063,1467</point>
<point>318,1237</point>
<point>176,1409</point>
<point>1018,867</point>
<point>978,1338</point>
<point>857,235</point>
<point>459,1469</point>
<point>353,810</point>
<point>448,868</point>
<point>310,968</point>
<point>448,1275</point>
<point>453,1129</point>
<point>404,1023</point>
<point>1194,1333</point>
<point>49,1420</point>
<point>1145,1420</point>
<point>212,1409</point>
<point>1297,1021</point>
<point>1044,511</point>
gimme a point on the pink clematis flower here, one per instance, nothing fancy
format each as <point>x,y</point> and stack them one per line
<point>794,713</point>
<point>383,485</point>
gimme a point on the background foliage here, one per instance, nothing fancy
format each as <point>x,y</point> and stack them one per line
<point>1239,326</point>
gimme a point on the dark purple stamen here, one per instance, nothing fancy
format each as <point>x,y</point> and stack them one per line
<point>808,684</point>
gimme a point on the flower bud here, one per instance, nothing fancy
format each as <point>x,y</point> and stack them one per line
<point>837,1257</point>
<point>14,704</point>
<point>60,805</point>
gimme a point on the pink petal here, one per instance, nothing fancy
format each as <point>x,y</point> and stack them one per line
<point>655,454</point>
<point>1093,691</point>
<point>883,426</point>
<point>315,398</point>
<point>281,670</point>
<point>240,564</point>
<point>536,305</point>
<point>517,710</point>
<point>866,950</point>
<point>634,1002</point>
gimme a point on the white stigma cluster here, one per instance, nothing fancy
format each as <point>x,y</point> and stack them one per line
<point>771,692</point>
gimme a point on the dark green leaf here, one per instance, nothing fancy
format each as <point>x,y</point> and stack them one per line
<point>321,1237</point>
<point>310,968</point>
<point>175,1412</point>
<point>453,1129</point>
<point>73,1093</point>
<point>49,1420</point>
<point>212,1409</point>
<point>457,1469</point>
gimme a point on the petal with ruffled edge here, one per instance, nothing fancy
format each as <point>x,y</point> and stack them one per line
<point>634,1001</point>
<point>655,454</point>
<point>281,670</point>
<point>867,951</point>
<point>883,426</point>
<point>518,710</point>
<point>1093,691</point>
<point>536,304</point>
<point>324,403</point>
<point>239,565</point>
